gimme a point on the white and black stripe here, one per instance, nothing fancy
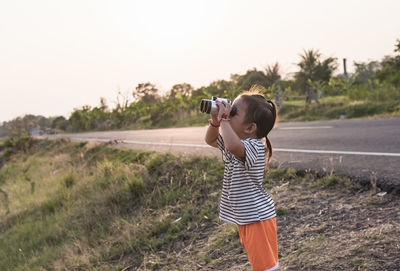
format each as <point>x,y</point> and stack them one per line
<point>243,198</point>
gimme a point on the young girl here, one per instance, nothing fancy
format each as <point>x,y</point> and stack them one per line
<point>244,201</point>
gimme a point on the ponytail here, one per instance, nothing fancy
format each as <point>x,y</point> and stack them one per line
<point>269,148</point>
<point>268,143</point>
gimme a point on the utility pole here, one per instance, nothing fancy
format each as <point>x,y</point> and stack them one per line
<point>345,75</point>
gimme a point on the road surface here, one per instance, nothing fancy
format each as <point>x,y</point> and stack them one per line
<point>365,150</point>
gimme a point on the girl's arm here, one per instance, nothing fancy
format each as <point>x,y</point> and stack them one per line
<point>232,141</point>
<point>212,132</point>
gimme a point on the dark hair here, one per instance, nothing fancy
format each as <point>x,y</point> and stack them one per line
<point>262,112</point>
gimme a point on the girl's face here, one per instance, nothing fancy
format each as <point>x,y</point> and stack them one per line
<point>238,122</point>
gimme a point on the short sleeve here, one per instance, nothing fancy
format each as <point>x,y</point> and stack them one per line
<point>255,150</point>
<point>220,143</point>
<point>226,154</point>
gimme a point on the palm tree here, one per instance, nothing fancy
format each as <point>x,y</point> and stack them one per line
<point>272,73</point>
<point>312,68</point>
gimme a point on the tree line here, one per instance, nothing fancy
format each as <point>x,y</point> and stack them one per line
<point>146,107</point>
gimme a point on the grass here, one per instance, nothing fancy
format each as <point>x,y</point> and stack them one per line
<point>339,107</point>
<point>79,194</point>
<point>89,206</point>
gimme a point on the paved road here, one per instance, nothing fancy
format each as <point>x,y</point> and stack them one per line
<point>361,149</point>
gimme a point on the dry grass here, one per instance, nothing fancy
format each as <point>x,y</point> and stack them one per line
<point>331,230</point>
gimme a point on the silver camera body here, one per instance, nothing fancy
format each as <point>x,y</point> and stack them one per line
<point>210,107</point>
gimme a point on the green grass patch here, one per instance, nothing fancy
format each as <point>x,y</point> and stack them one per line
<point>339,107</point>
<point>337,183</point>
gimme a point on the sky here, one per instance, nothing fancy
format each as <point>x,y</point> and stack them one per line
<point>59,55</point>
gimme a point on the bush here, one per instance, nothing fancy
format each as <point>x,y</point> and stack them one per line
<point>371,108</point>
<point>159,115</point>
<point>382,93</point>
<point>136,186</point>
<point>69,180</point>
<point>14,145</point>
<point>336,182</point>
<point>158,163</point>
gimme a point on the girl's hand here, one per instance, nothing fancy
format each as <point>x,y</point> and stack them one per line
<point>224,110</point>
<point>214,119</point>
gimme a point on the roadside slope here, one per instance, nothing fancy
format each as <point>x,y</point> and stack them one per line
<point>80,206</point>
<point>362,150</point>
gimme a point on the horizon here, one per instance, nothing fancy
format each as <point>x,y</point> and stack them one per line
<point>61,56</point>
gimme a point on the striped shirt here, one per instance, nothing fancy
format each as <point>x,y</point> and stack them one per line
<point>243,199</point>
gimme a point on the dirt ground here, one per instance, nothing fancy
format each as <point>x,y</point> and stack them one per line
<point>332,230</point>
<point>323,229</point>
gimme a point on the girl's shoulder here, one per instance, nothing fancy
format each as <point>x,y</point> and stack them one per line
<point>255,142</point>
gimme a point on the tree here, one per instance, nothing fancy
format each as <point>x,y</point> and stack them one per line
<point>178,103</point>
<point>81,119</point>
<point>103,104</point>
<point>312,68</point>
<point>19,127</point>
<point>146,92</point>
<point>184,90</point>
<point>272,74</point>
<point>397,46</point>
<point>390,68</point>
<point>365,72</point>
<point>251,78</point>
<point>59,123</point>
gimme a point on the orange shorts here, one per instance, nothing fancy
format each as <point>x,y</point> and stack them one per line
<point>260,242</point>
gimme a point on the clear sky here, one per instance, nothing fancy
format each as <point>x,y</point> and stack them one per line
<point>59,55</point>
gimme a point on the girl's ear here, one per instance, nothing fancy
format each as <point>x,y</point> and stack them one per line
<point>251,128</point>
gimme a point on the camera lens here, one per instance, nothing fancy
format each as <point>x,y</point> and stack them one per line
<point>205,106</point>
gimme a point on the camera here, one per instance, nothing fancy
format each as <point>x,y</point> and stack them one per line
<point>210,107</point>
